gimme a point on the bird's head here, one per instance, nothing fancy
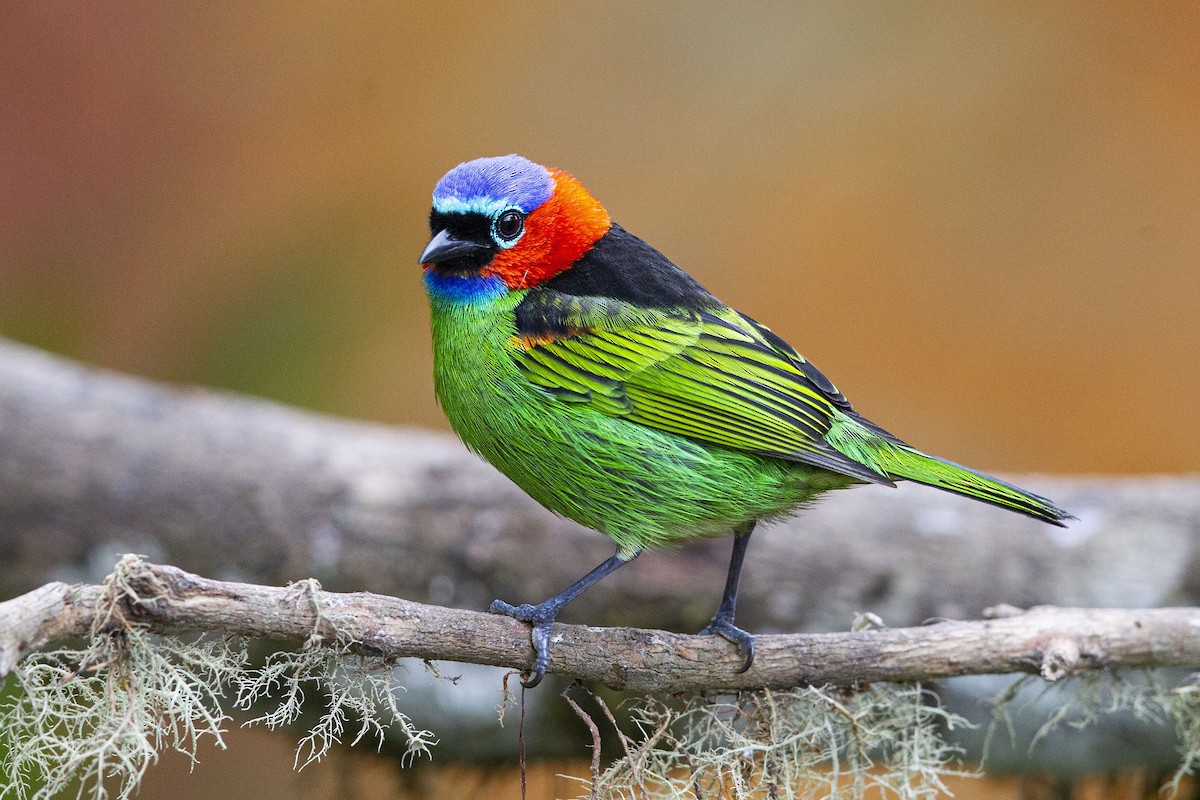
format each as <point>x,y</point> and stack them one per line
<point>507,221</point>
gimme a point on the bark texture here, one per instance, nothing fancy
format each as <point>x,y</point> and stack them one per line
<point>1053,642</point>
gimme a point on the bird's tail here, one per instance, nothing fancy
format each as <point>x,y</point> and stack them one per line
<point>875,448</point>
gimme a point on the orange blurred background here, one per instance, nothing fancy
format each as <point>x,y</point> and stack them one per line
<point>982,221</point>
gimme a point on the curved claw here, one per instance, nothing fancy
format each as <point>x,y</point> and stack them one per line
<point>541,619</point>
<point>724,627</point>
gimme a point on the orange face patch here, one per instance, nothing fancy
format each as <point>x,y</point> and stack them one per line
<point>557,234</point>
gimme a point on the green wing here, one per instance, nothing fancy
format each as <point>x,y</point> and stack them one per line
<point>714,376</point>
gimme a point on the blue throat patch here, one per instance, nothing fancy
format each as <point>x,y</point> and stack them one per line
<point>490,185</point>
<point>463,289</point>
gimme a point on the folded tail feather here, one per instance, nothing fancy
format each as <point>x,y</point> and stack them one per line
<point>873,447</point>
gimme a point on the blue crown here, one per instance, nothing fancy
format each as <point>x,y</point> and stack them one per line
<point>489,185</point>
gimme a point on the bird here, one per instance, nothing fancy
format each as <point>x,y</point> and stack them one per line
<point>614,389</point>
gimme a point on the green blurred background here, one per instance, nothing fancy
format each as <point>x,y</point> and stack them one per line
<point>983,221</point>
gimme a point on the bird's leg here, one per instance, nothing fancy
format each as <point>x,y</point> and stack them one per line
<point>722,622</point>
<point>541,616</point>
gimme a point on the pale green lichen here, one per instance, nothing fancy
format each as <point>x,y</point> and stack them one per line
<point>354,690</point>
<point>803,743</point>
<point>1155,698</point>
<point>88,722</point>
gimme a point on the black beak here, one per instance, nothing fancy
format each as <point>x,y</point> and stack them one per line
<point>445,247</point>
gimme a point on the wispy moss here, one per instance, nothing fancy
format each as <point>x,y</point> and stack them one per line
<point>803,743</point>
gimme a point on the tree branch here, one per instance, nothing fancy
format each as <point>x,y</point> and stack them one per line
<point>1053,642</point>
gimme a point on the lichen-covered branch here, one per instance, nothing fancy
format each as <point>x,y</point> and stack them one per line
<point>1054,642</point>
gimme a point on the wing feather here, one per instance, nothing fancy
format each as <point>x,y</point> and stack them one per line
<point>714,376</point>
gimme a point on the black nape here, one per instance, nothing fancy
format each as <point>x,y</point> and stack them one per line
<point>623,267</point>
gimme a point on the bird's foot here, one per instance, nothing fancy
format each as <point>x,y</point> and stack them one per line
<point>722,625</point>
<point>541,618</point>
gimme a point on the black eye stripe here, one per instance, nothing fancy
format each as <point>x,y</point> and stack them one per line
<point>471,227</point>
<point>503,230</point>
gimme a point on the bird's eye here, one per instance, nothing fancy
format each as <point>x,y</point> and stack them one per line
<point>510,224</point>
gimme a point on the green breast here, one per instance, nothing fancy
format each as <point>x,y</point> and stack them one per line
<point>640,486</point>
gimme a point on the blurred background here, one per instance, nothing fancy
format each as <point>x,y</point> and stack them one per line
<point>982,221</point>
